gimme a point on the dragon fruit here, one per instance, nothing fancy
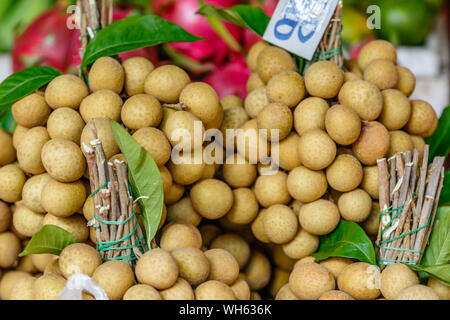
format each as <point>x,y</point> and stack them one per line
<point>268,6</point>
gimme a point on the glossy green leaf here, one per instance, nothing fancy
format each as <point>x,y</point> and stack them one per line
<point>439,272</point>
<point>8,123</point>
<point>134,33</point>
<point>444,197</point>
<point>439,141</point>
<point>438,250</point>
<point>244,16</point>
<point>22,83</point>
<point>144,177</point>
<point>50,239</point>
<point>348,240</point>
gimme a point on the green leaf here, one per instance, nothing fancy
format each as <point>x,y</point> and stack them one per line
<point>134,33</point>
<point>439,141</point>
<point>444,197</point>
<point>144,177</point>
<point>244,16</point>
<point>50,239</point>
<point>348,240</point>
<point>438,250</point>
<point>8,123</point>
<point>439,272</point>
<point>22,83</point>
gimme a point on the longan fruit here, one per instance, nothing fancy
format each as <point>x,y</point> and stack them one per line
<point>115,277</point>
<point>406,81</point>
<point>442,290</point>
<point>234,244</point>
<point>364,97</point>
<point>324,79</point>
<point>396,109</point>
<point>223,266</point>
<point>382,73</point>
<point>234,118</point>
<point>273,60</point>
<point>358,281</point>
<point>88,208</point>
<point>202,101</point>
<point>310,114</point>
<point>141,292</point>
<point>253,53</point>
<point>104,134</point>
<point>9,279</point>
<point>287,150</point>
<point>65,123</point>
<point>12,180</point>
<point>78,258</point>
<point>26,221</point>
<point>255,296</point>
<point>106,74</point>
<point>372,144</point>
<point>258,228</point>
<point>417,292</point>
<point>350,76</point>
<point>30,148</point>
<point>419,144</point>
<point>48,287</point>
<point>287,88</point>
<point>10,248</point>
<point>319,217</point>
<point>309,281</point>
<point>377,49</point>
<point>281,259</point>
<point>180,235</point>
<point>26,264</point>
<point>258,271</point>
<point>181,290</point>
<point>5,216</point>
<point>66,91</point>
<point>272,189</point>
<point>22,289</point>
<point>316,149</point>
<point>231,101</point>
<point>237,172</point>
<point>136,71</point>
<point>41,261</point>
<point>193,264</point>
<point>19,132</point>
<point>251,144</point>
<point>254,82</point>
<point>209,232</point>
<point>285,293</point>
<point>31,111</point>
<point>155,142</point>
<point>157,268</point>
<point>343,124</point>
<point>63,160</point>
<point>302,245</point>
<point>74,224</point>
<point>336,264</point>
<point>432,129</point>
<point>280,223</point>
<point>355,205</point>
<point>214,290</point>
<point>422,117</point>
<point>241,289</point>
<point>279,279</point>
<point>335,295</point>
<point>400,141</point>
<point>188,171</point>
<point>396,277</point>
<point>174,194</point>
<point>256,101</point>
<point>63,199</point>
<point>370,181</point>
<point>306,185</point>
<point>373,221</point>
<point>204,195</point>
<point>8,154</point>
<point>101,104</point>
<point>277,117</point>
<point>245,206</point>
<point>180,129</point>
<point>183,211</point>
<point>165,83</point>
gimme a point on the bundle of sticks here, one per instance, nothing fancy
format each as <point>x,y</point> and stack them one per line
<point>118,233</point>
<point>409,198</point>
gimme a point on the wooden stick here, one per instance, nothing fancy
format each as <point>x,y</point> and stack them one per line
<point>420,190</point>
<point>383,190</point>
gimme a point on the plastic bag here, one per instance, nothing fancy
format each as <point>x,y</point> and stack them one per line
<point>78,283</point>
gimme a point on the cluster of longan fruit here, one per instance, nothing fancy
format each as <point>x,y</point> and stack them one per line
<point>239,230</point>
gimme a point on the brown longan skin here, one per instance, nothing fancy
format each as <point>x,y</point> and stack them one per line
<point>287,149</point>
<point>336,264</point>
<point>442,290</point>
<point>272,189</point>
<point>187,172</point>
<point>324,79</point>
<point>373,221</point>
<point>183,211</point>
<point>63,199</point>
<point>204,195</point>
<point>66,91</point>
<point>183,120</point>
<point>258,228</point>
<point>335,295</point>
<point>78,258</point>
<point>285,293</point>
<point>406,81</point>
<point>10,247</point>
<point>234,244</point>
<point>214,290</point>
<point>364,97</point>
<point>319,217</point>
<point>302,245</point>
<point>181,290</point>
<point>382,73</point>
<point>174,194</point>
<point>287,88</point>
<point>345,173</point>
<point>30,148</point>
<point>395,278</point>
<point>256,101</point>
<point>166,178</point>
<point>31,111</point>
<point>432,129</point>
<point>241,288</point>
<point>65,123</point>
<point>253,152</point>
<point>74,224</point>
<point>354,280</point>
<point>101,104</point>
<point>157,268</point>
<point>306,185</point>
<point>278,117</point>
<point>245,206</point>
<point>8,154</point>
<point>372,144</point>
<point>400,141</point>
<point>280,223</point>
<point>377,49</point>
<point>355,205</point>
<point>104,133</point>
<point>273,60</point>
<point>279,279</point>
<point>26,221</point>
<point>281,259</point>
<point>258,271</point>
<point>155,142</point>
<point>417,292</point>
<point>12,179</point>
<point>253,53</point>
<point>310,280</point>
<point>136,71</point>
<point>193,265</point>
<point>316,149</point>
<point>41,261</point>
<point>370,181</point>
<point>19,132</point>
<point>115,277</point>
<point>231,100</point>
<point>165,83</point>
<point>5,216</point>
<point>254,82</point>
<point>49,287</point>
<point>422,117</point>
<point>142,292</point>
<point>223,266</point>
<point>310,114</point>
<point>343,124</point>
<point>180,235</point>
<point>396,109</point>
<point>106,73</point>
<point>419,144</point>
<point>239,173</point>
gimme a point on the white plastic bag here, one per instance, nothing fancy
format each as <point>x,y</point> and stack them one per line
<point>78,283</point>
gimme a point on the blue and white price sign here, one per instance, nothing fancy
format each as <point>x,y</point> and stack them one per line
<point>298,25</point>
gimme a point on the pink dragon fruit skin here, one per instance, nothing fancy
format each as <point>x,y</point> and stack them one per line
<point>268,6</point>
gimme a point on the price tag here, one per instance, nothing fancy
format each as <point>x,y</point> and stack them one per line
<point>299,25</point>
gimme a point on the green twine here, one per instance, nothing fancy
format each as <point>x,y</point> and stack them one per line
<point>107,245</point>
<point>87,33</point>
